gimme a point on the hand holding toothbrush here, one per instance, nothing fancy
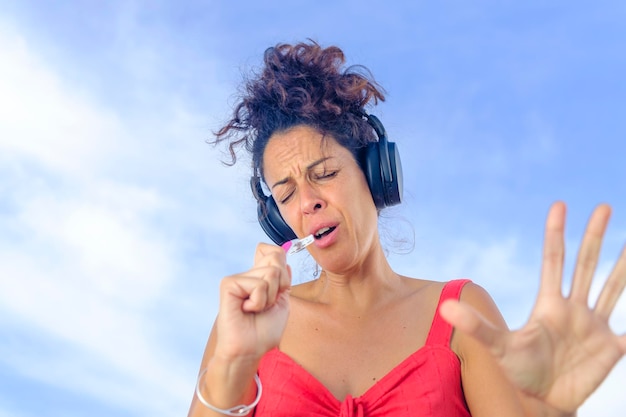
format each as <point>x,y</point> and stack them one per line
<point>254,305</point>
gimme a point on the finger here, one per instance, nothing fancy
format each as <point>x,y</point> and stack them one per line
<point>267,254</point>
<point>274,256</point>
<point>257,301</point>
<point>252,293</point>
<point>553,251</point>
<point>613,288</point>
<point>271,280</point>
<point>239,290</point>
<point>588,254</point>
<point>470,322</point>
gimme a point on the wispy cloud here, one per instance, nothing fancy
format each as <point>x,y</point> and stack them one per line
<point>81,258</point>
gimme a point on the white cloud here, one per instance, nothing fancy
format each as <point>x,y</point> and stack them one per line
<point>99,217</point>
<point>83,258</point>
<point>41,120</point>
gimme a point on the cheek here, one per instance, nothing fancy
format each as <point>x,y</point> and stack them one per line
<point>365,195</point>
<point>289,215</point>
<point>362,203</point>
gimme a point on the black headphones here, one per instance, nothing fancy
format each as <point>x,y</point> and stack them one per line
<point>380,162</point>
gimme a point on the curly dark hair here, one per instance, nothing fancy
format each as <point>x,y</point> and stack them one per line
<point>302,84</point>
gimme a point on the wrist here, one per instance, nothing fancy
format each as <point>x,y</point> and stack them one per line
<point>226,383</point>
<point>235,354</point>
<point>235,361</point>
<point>237,410</point>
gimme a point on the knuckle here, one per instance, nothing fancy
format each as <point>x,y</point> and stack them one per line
<point>262,246</point>
<point>263,285</point>
<point>265,249</point>
<point>276,273</point>
<point>267,253</point>
<point>226,282</point>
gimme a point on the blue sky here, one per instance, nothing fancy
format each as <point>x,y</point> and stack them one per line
<point>117,220</point>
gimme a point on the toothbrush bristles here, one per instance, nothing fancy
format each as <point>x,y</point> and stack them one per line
<point>299,244</point>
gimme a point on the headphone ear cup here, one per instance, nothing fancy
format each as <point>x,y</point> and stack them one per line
<point>371,168</point>
<point>269,216</point>
<point>383,173</point>
<point>273,223</point>
<point>393,185</point>
<point>382,167</point>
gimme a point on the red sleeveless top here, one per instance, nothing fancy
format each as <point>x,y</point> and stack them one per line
<point>425,384</point>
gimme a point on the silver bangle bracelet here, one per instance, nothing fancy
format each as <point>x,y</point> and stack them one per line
<point>238,410</point>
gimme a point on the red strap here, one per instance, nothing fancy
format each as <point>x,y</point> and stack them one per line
<point>441,331</point>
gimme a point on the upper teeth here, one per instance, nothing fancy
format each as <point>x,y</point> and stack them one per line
<point>322,231</point>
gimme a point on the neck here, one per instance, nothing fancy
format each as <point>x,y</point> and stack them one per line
<point>361,288</point>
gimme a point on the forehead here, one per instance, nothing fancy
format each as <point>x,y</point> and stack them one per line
<point>299,145</point>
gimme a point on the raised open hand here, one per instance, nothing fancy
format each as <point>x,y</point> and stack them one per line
<point>567,348</point>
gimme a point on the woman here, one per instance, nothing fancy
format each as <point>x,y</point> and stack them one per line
<point>361,340</point>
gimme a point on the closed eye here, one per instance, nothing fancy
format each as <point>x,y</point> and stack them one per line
<point>326,175</point>
<point>285,199</point>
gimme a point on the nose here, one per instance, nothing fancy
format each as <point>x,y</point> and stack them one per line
<point>310,199</point>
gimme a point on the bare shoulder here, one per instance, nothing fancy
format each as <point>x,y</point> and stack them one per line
<point>422,285</point>
<point>476,296</point>
<point>481,301</point>
<point>487,389</point>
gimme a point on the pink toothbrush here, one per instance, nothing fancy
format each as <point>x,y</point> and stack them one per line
<point>296,245</point>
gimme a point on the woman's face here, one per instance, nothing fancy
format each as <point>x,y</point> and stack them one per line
<point>320,189</point>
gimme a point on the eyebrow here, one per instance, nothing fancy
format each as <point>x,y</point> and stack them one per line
<point>308,168</point>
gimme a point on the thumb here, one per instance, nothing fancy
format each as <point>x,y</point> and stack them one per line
<point>469,321</point>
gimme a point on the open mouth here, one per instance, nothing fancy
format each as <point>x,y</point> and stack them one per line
<point>323,232</point>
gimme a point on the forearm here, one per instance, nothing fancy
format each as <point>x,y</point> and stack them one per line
<point>225,384</point>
